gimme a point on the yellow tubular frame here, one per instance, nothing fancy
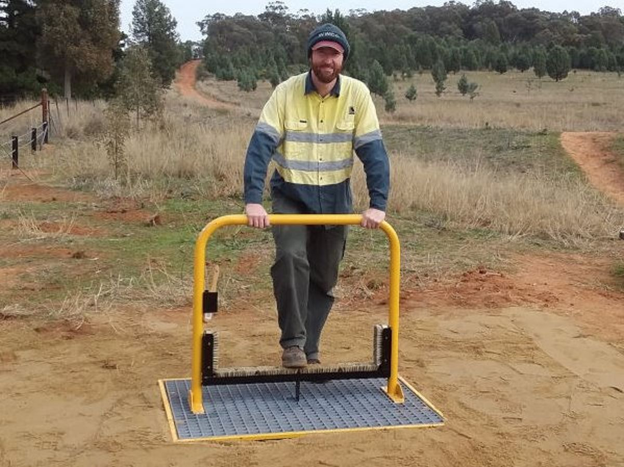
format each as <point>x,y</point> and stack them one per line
<point>393,390</point>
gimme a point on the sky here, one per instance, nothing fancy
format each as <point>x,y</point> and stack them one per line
<point>187,13</point>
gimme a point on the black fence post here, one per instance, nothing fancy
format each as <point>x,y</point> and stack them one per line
<point>33,139</point>
<point>15,152</point>
<point>45,132</point>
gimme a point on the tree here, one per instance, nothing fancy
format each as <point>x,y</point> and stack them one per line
<point>155,29</point>
<point>411,94</point>
<point>377,81</point>
<point>522,61</point>
<point>469,60</point>
<point>601,62</point>
<point>390,101</point>
<point>274,77</point>
<point>137,89</point>
<point>539,63</point>
<point>558,63</point>
<point>18,35</point>
<point>247,80</point>
<point>462,85</point>
<point>454,60</point>
<point>438,73</point>
<point>117,130</point>
<point>501,63</point>
<point>422,54</point>
<point>472,90</point>
<point>78,38</point>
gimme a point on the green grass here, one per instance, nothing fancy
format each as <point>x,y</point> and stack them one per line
<point>618,148</point>
<point>431,246</point>
<point>502,150</point>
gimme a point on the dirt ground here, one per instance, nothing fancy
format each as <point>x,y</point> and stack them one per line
<point>528,370</point>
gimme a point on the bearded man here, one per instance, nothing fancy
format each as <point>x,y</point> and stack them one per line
<point>311,126</point>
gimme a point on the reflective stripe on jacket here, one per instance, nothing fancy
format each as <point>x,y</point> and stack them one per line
<point>312,139</point>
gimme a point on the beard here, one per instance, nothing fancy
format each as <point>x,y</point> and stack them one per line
<point>326,74</point>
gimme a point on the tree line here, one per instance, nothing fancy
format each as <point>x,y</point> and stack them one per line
<point>76,46</point>
<point>485,36</point>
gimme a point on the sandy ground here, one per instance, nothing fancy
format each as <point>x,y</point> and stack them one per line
<point>527,368</point>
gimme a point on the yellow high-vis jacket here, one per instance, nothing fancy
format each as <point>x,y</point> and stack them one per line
<point>312,141</point>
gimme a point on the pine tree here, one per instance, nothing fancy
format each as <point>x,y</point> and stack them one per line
<point>422,54</point>
<point>522,61</point>
<point>78,39</point>
<point>438,73</point>
<point>138,90</point>
<point>411,94</point>
<point>601,62</point>
<point>274,77</point>
<point>377,81</point>
<point>390,101</point>
<point>155,29</point>
<point>539,63</point>
<point>18,35</point>
<point>469,60</point>
<point>247,80</point>
<point>472,90</point>
<point>462,85</point>
<point>501,63</point>
<point>558,63</point>
<point>454,60</point>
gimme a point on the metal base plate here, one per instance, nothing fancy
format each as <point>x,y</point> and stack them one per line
<point>270,411</point>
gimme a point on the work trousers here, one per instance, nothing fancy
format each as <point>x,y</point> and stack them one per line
<point>304,274</point>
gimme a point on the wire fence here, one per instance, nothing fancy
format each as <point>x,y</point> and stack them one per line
<point>35,137</point>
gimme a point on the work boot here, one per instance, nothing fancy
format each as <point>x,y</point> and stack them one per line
<point>314,361</point>
<point>294,357</point>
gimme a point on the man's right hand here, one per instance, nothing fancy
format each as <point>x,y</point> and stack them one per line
<point>257,216</point>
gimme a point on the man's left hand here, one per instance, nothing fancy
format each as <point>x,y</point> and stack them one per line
<point>371,218</point>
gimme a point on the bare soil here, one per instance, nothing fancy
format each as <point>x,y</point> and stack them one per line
<point>186,85</point>
<point>528,369</point>
<point>591,152</point>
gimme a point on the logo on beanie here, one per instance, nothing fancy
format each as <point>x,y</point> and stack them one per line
<point>329,34</point>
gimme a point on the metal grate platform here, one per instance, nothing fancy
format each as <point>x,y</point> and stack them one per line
<point>270,411</point>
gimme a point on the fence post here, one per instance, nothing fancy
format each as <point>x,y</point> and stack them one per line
<point>33,139</point>
<point>15,152</point>
<point>45,132</point>
<point>45,106</point>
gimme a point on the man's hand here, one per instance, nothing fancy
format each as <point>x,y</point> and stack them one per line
<point>257,216</point>
<point>371,218</point>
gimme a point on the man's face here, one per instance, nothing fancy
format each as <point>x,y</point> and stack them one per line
<point>326,64</point>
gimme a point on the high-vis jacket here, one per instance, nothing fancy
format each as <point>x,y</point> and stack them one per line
<point>312,139</point>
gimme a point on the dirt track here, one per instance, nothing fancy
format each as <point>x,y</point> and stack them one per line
<point>591,152</point>
<point>186,85</point>
<point>528,369</point>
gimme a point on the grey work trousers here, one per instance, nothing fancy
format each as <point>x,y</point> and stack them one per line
<point>304,274</point>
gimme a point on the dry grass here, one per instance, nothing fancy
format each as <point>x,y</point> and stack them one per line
<point>29,228</point>
<point>75,120</point>
<point>515,204</point>
<point>204,150</point>
<point>585,101</point>
<point>188,147</point>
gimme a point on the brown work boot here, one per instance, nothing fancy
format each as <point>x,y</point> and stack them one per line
<point>294,357</point>
<point>314,361</point>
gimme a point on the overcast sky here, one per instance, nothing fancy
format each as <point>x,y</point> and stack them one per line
<point>187,13</point>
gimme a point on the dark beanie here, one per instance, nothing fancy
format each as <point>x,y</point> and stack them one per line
<point>328,32</point>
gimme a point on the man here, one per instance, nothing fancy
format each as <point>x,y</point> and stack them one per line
<point>310,127</point>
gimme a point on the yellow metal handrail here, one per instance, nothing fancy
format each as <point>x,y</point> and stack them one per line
<point>195,394</point>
